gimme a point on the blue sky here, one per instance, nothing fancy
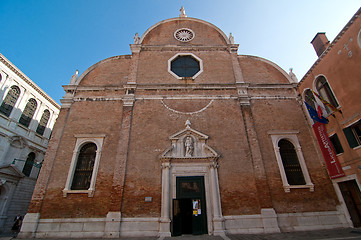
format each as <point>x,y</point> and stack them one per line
<point>49,39</point>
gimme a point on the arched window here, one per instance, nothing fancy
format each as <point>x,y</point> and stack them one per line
<point>43,122</point>
<point>325,91</point>
<point>84,167</point>
<point>290,163</point>
<point>29,164</point>
<point>310,98</point>
<point>10,100</point>
<point>28,112</point>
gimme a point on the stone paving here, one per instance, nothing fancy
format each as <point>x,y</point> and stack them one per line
<point>334,234</point>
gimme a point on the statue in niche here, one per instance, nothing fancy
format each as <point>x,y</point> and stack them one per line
<point>189,147</point>
<point>136,38</point>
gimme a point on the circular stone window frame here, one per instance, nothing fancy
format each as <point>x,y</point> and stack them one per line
<point>184,29</point>
<point>359,38</point>
<point>185,54</point>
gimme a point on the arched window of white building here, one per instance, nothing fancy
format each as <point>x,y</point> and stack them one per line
<point>10,100</point>
<point>43,122</point>
<point>28,112</point>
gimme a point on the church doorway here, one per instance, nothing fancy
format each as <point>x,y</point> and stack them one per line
<point>189,207</point>
<point>351,194</point>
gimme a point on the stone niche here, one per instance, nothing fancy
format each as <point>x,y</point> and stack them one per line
<point>189,143</point>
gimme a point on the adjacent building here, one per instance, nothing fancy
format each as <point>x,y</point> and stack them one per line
<point>182,136</point>
<point>27,116</point>
<point>336,78</point>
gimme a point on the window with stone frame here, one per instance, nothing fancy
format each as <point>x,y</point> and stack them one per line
<point>43,122</point>
<point>185,66</point>
<point>84,164</point>
<point>10,100</point>
<point>325,91</point>
<point>353,134</point>
<point>28,112</point>
<point>29,164</point>
<point>84,167</point>
<point>290,162</point>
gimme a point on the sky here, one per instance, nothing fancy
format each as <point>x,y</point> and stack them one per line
<point>49,39</point>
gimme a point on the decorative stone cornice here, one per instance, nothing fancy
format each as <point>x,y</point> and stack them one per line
<point>184,48</point>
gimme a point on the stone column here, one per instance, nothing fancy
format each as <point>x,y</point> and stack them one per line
<point>164,228</point>
<point>218,220</point>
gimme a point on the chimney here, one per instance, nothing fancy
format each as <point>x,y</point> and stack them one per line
<point>320,43</point>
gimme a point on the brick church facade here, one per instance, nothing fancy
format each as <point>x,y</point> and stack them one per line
<point>183,136</point>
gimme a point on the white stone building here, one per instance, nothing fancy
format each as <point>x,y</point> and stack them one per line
<point>27,116</point>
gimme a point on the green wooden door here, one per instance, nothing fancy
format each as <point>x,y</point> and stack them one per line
<point>189,209</point>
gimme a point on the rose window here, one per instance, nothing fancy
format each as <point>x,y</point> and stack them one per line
<point>184,35</point>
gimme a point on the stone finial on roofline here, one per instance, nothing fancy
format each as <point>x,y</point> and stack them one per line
<point>231,38</point>
<point>183,12</point>
<point>74,77</point>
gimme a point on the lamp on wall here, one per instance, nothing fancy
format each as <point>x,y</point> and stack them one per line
<point>35,164</point>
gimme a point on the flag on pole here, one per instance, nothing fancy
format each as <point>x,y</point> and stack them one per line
<point>314,115</point>
<point>333,108</point>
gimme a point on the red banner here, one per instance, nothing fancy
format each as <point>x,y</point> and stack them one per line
<point>333,165</point>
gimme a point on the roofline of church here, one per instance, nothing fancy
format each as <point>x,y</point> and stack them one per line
<point>186,19</point>
<point>20,74</point>
<point>345,28</point>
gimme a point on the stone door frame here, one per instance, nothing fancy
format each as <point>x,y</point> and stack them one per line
<point>189,168</point>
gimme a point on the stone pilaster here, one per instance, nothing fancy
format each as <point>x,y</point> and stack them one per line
<point>264,199</point>
<point>164,228</point>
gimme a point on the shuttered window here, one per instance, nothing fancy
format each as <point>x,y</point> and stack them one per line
<point>353,134</point>
<point>336,144</point>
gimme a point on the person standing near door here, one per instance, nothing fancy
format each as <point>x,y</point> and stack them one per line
<point>17,224</point>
